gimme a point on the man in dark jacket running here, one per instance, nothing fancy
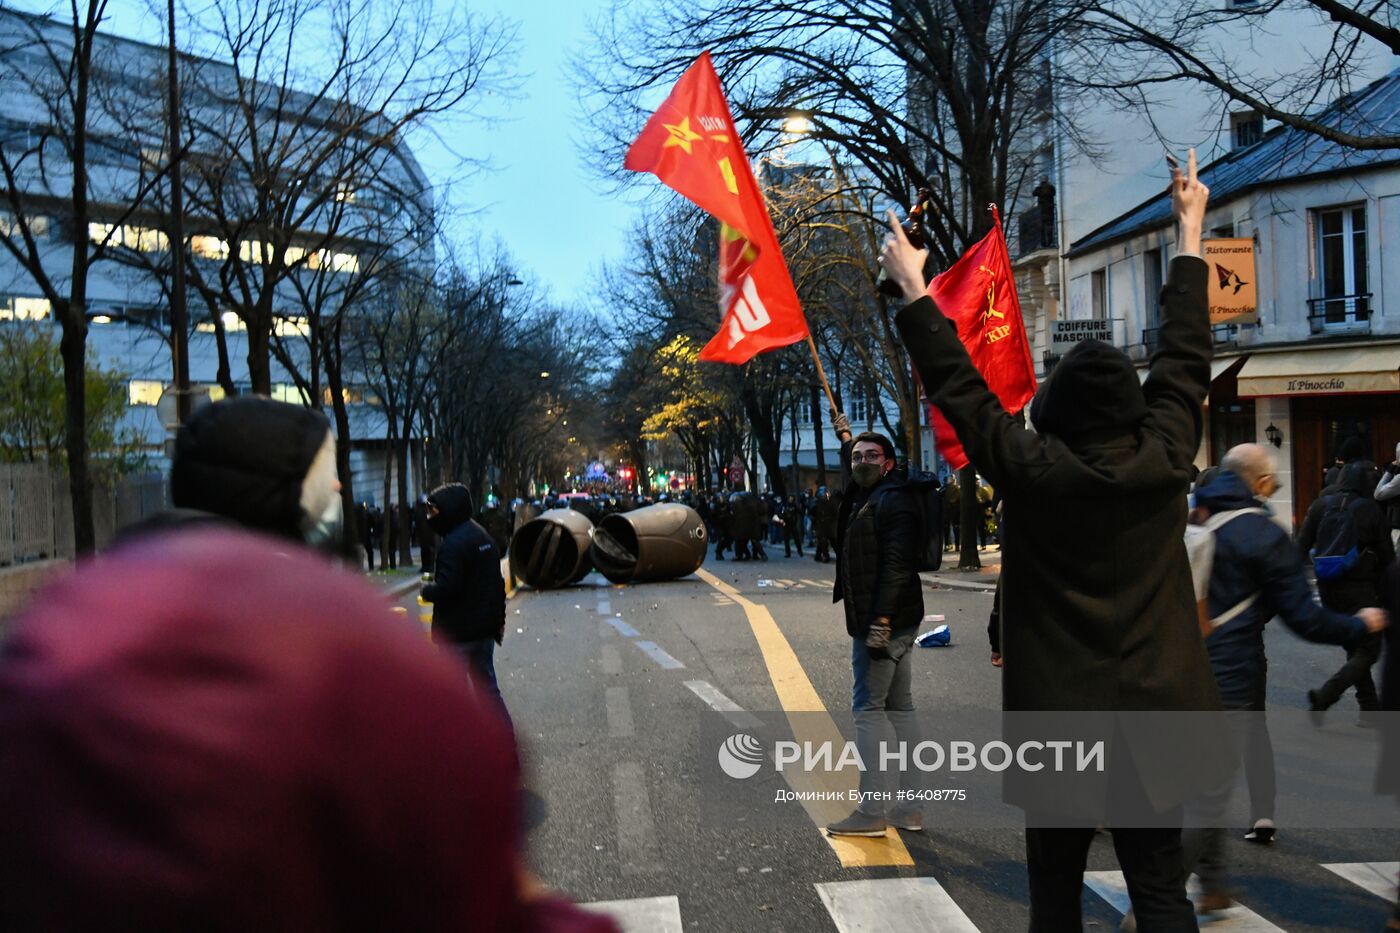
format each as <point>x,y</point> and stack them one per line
<point>1359,587</point>
<point>1098,608</point>
<point>1255,574</point>
<point>468,592</point>
<point>877,581</point>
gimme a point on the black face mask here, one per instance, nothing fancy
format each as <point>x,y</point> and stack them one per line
<point>441,524</point>
<point>867,475</point>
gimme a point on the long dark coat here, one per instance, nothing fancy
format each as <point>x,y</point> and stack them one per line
<point>1097,607</point>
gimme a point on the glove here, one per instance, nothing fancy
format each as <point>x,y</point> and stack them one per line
<point>877,641</point>
<point>840,423</point>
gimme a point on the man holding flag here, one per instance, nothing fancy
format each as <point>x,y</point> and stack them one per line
<point>1097,601</point>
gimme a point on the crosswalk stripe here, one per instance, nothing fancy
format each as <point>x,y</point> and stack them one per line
<point>1110,886</point>
<point>642,915</point>
<point>1376,877</point>
<point>817,583</point>
<point>918,905</point>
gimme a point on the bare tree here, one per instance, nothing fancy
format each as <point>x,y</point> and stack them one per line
<point>67,176</point>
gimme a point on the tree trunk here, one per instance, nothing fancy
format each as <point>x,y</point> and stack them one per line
<point>73,347</point>
<point>761,426</point>
<point>401,516</point>
<point>971,514</point>
<point>342,451</point>
<point>259,360</point>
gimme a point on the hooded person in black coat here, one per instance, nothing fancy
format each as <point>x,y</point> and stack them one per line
<point>468,592</point>
<point>1098,605</point>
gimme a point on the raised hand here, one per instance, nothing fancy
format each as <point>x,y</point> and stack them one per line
<point>903,263</point>
<point>1189,198</point>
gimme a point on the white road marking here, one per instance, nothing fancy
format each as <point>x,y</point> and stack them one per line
<point>637,849</point>
<point>1110,886</point>
<point>1376,877</point>
<point>736,714</point>
<point>643,915</point>
<point>818,584</point>
<point>618,704</point>
<point>604,606</point>
<point>654,651</point>
<point>916,905</point>
<point>611,660</point>
<point>623,628</point>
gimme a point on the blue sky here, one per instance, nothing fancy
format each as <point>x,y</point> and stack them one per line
<point>536,198</point>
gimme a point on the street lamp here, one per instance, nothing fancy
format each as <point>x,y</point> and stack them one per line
<point>797,125</point>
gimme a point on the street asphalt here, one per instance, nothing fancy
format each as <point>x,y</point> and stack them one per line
<point>613,691</point>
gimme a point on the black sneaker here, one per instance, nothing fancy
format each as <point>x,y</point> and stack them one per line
<point>1315,707</point>
<point>1262,833</point>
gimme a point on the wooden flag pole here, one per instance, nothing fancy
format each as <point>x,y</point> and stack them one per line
<point>821,374</point>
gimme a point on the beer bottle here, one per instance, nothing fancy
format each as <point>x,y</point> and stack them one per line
<point>914,231</point>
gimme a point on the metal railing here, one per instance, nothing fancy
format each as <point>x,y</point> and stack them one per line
<point>1345,313</point>
<point>1220,335</point>
<point>36,511</point>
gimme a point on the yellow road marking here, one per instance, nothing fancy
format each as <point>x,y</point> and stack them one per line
<point>810,722</point>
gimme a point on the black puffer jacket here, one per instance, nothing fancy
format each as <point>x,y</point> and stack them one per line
<point>468,592</point>
<point>1362,586</point>
<point>878,539</point>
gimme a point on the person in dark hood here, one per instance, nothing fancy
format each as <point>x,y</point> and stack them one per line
<point>268,466</point>
<point>249,740</point>
<point>468,592</point>
<point>1098,609</point>
<point>1358,588</point>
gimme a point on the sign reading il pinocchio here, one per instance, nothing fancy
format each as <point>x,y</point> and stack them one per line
<point>1232,278</point>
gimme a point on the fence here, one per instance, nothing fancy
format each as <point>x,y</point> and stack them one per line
<point>36,511</point>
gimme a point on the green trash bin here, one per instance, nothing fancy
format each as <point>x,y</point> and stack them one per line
<point>658,542</point>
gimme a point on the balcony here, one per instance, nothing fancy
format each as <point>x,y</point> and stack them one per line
<point>1340,314</point>
<point>1034,232</point>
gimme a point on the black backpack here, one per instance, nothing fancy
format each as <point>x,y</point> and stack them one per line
<point>1338,548</point>
<point>928,493</point>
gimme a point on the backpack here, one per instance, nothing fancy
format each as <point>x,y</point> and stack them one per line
<point>1200,550</point>
<point>1338,548</point>
<point>927,492</point>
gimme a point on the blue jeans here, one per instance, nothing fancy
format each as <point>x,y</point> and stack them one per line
<point>480,657</point>
<point>882,698</point>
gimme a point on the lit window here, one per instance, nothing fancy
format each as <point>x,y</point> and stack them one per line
<point>345,262</point>
<point>232,322</point>
<point>205,327</point>
<point>209,247</point>
<point>144,392</point>
<point>345,194</point>
<point>291,327</point>
<point>293,255</point>
<point>142,239</point>
<point>38,226</point>
<point>284,392</point>
<point>253,251</point>
<point>102,319</point>
<point>24,309</point>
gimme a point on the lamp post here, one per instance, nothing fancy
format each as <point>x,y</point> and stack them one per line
<point>179,317</point>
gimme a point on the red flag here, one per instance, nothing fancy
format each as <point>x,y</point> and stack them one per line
<point>691,145</point>
<point>978,294</point>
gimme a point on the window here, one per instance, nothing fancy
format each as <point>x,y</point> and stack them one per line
<point>1341,287</point>
<point>1098,282</point>
<point>291,327</point>
<point>144,392</point>
<point>16,308</point>
<point>345,262</point>
<point>209,247</point>
<point>141,239</point>
<point>857,408</point>
<point>38,226</point>
<point>352,395</point>
<point>285,392</point>
<point>1246,129</point>
<point>1223,232</point>
<point>253,251</point>
<point>1152,286</point>
<point>345,193</point>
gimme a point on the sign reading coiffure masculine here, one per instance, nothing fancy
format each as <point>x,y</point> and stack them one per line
<point>1232,293</point>
<point>1065,334</point>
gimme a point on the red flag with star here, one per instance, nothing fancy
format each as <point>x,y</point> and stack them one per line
<point>978,294</point>
<point>691,145</point>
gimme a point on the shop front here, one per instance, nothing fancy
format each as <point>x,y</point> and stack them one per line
<point>1314,399</point>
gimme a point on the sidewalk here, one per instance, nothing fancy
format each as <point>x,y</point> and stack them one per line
<point>395,584</point>
<point>984,580</point>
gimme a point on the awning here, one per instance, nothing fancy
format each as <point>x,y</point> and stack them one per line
<point>1338,370</point>
<point>1217,367</point>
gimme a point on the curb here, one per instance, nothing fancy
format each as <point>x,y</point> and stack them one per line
<point>952,583</point>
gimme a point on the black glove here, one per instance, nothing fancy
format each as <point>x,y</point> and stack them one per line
<point>877,641</point>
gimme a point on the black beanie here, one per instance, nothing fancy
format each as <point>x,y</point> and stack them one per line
<point>455,507</point>
<point>1352,449</point>
<point>247,458</point>
<point>1093,389</point>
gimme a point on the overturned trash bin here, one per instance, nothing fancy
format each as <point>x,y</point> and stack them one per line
<point>552,550</point>
<point>658,542</point>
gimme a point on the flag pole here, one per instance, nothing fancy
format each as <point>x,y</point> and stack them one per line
<point>821,374</point>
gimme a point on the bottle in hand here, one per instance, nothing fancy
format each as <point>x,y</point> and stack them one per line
<point>913,226</point>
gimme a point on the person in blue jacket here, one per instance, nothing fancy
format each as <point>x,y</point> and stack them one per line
<point>1257,573</point>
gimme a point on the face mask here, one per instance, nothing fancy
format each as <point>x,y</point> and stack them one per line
<point>326,531</point>
<point>867,474</point>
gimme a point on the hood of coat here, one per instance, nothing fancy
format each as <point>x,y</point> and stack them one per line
<point>1359,477</point>
<point>248,459</point>
<point>1225,492</point>
<point>455,508</point>
<point>1094,389</point>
